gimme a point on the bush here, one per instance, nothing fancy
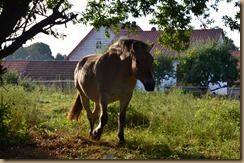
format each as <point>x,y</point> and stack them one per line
<point>5,114</point>
<point>11,77</point>
<point>18,113</point>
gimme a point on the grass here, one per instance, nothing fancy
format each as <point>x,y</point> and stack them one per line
<point>171,125</point>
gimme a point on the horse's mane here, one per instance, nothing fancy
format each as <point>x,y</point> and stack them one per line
<point>124,44</point>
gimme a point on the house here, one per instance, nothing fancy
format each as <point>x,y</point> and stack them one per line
<point>43,71</point>
<point>96,41</point>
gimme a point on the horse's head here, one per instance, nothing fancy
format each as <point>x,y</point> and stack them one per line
<point>142,62</point>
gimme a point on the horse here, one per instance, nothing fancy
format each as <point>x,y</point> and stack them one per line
<point>109,77</point>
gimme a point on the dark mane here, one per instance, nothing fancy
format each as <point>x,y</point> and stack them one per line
<point>126,43</point>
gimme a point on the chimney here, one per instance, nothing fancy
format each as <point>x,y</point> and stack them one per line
<point>122,26</point>
<point>133,24</point>
<point>153,29</point>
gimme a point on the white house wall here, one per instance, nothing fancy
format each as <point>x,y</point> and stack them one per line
<point>88,44</point>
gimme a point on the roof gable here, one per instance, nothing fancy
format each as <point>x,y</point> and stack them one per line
<point>93,30</point>
<point>90,39</point>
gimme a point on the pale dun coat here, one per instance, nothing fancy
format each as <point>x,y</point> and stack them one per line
<point>108,77</point>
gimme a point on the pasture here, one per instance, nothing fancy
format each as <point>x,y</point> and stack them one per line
<point>170,125</point>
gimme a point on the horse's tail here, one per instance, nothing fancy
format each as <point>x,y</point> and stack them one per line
<point>75,111</point>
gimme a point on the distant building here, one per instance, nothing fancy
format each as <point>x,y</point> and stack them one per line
<point>43,71</point>
<point>96,41</point>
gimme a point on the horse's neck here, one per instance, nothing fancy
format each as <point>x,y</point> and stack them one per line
<point>124,64</point>
<point>126,68</point>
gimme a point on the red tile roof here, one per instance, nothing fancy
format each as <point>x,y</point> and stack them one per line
<point>201,35</point>
<point>152,37</point>
<point>19,65</point>
<point>43,70</point>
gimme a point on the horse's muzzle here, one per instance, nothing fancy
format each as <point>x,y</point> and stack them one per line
<point>149,85</point>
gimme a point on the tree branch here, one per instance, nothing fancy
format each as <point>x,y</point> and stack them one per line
<point>37,28</point>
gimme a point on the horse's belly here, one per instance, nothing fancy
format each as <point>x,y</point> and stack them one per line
<point>89,88</point>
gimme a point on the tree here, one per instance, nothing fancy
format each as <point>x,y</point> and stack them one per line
<point>60,57</point>
<point>163,68</point>
<point>233,23</point>
<point>173,17</point>
<point>44,49</point>
<point>205,64</point>
<point>3,71</point>
<point>230,43</point>
<point>36,51</point>
<point>21,20</point>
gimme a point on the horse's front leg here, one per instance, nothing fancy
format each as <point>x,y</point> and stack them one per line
<point>95,113</point>
<point>96,134</point>
<point>121,118</point>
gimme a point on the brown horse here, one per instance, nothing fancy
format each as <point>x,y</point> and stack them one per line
<point>110,77</point>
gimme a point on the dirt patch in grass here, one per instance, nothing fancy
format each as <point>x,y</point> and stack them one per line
<point>43,146</point>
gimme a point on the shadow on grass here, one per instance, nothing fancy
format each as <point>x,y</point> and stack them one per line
<point>29,151</point>
<point>83,148</point>
<point>161,151</point>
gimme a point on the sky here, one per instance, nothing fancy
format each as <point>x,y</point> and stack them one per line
<point>76,32</point>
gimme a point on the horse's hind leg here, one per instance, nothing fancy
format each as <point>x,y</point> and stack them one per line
<point>86,105</point>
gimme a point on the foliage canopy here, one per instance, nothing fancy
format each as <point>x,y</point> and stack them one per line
<point>163,68</point>
<point>23,19</point>
<point>172,17</point>
<point>209,63</point>
<point>36,51</point>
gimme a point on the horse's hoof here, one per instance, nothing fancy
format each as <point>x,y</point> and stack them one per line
<point>90,132</point>
<point>122,142</point>
<point>96,136</point>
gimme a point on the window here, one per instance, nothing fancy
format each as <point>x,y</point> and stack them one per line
<point>99,44</point>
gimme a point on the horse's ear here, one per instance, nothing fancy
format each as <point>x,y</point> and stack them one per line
<point>134,46</point>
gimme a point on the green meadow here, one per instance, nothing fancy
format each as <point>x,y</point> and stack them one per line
<point>159,125</point>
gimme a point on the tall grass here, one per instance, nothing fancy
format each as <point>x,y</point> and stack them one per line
<point>190,127</point>
<point>171,125</point>
<point>196,126</point>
